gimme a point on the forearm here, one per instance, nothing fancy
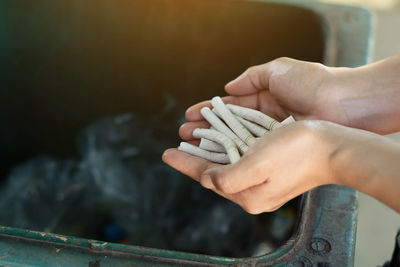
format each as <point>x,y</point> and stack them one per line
<point>371,164</point>
<point>386,68</point>
<point>376,105</point>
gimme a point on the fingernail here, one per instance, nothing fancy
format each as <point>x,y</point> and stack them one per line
<point>165,154</point>
<point>206,181</point>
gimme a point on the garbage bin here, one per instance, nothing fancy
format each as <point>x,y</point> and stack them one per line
<point>66,63</point>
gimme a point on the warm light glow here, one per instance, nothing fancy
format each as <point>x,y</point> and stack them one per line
<point>379,4</point>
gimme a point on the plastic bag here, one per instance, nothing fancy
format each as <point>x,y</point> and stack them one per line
<point>118,190</point>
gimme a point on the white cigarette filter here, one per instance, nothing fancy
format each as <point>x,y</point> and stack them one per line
<point>218,125</point>
<point>255,129</point>
<point>232,129</point>
<point>232,122</point>
<point>255,116</point>
<point>208,155</point>
<point>211,146</point>
<point>220,138</point>
<point>288,120</point>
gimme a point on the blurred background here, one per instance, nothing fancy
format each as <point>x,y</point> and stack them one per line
<point>377,224</point>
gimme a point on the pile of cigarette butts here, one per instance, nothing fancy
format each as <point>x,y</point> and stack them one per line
<point>233,130</point>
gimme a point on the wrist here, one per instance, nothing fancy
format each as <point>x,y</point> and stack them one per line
<point>375,104</point>
<point>368,163</point>
<point>351,157</point>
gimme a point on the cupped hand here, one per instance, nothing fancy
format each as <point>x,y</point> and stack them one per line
<point>280,166</point>
<point>279,88</point>
<point>308,91</point>
<point>298,157</point>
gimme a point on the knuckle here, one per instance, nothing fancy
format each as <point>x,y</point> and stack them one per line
<point>282,59</point>
<point>318,65</point>
<point>250,70</point>
<point>257,208</point>
<point>248,208</point>
<point>270,208</point>
<point>278,206</point>
<point>224,184</point>
<point>306,128</point>
<point>254,211</point>
<point>251,207</point>
<point>312,130</point>
<point>267,206</point>
<point>272,204</point>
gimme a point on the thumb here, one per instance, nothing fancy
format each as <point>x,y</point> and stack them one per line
<point>253,80</point>
<point>234,178</point>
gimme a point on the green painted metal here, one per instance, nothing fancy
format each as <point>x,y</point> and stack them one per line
<point>321,206</point>
<point>325,235</point>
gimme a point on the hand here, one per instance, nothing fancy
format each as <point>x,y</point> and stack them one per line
<point>366,97</point>
<point>295,158</point>
<point>280,166</point>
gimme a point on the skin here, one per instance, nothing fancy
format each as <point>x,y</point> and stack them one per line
<point>361,102</point>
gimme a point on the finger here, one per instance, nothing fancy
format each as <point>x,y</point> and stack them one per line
<point>191,166</point>
<point>255,200</point>
<point>250,101</point>
<point>232,198</point>
<point>261,198</point>
<point>266,197</point>
<point>270,106</point>
<point>186,130</point>
<point>194,142</point>
<point>193,113</point>
<point>252,81</point>
<point>248,172</point>
<point>187,164</point>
